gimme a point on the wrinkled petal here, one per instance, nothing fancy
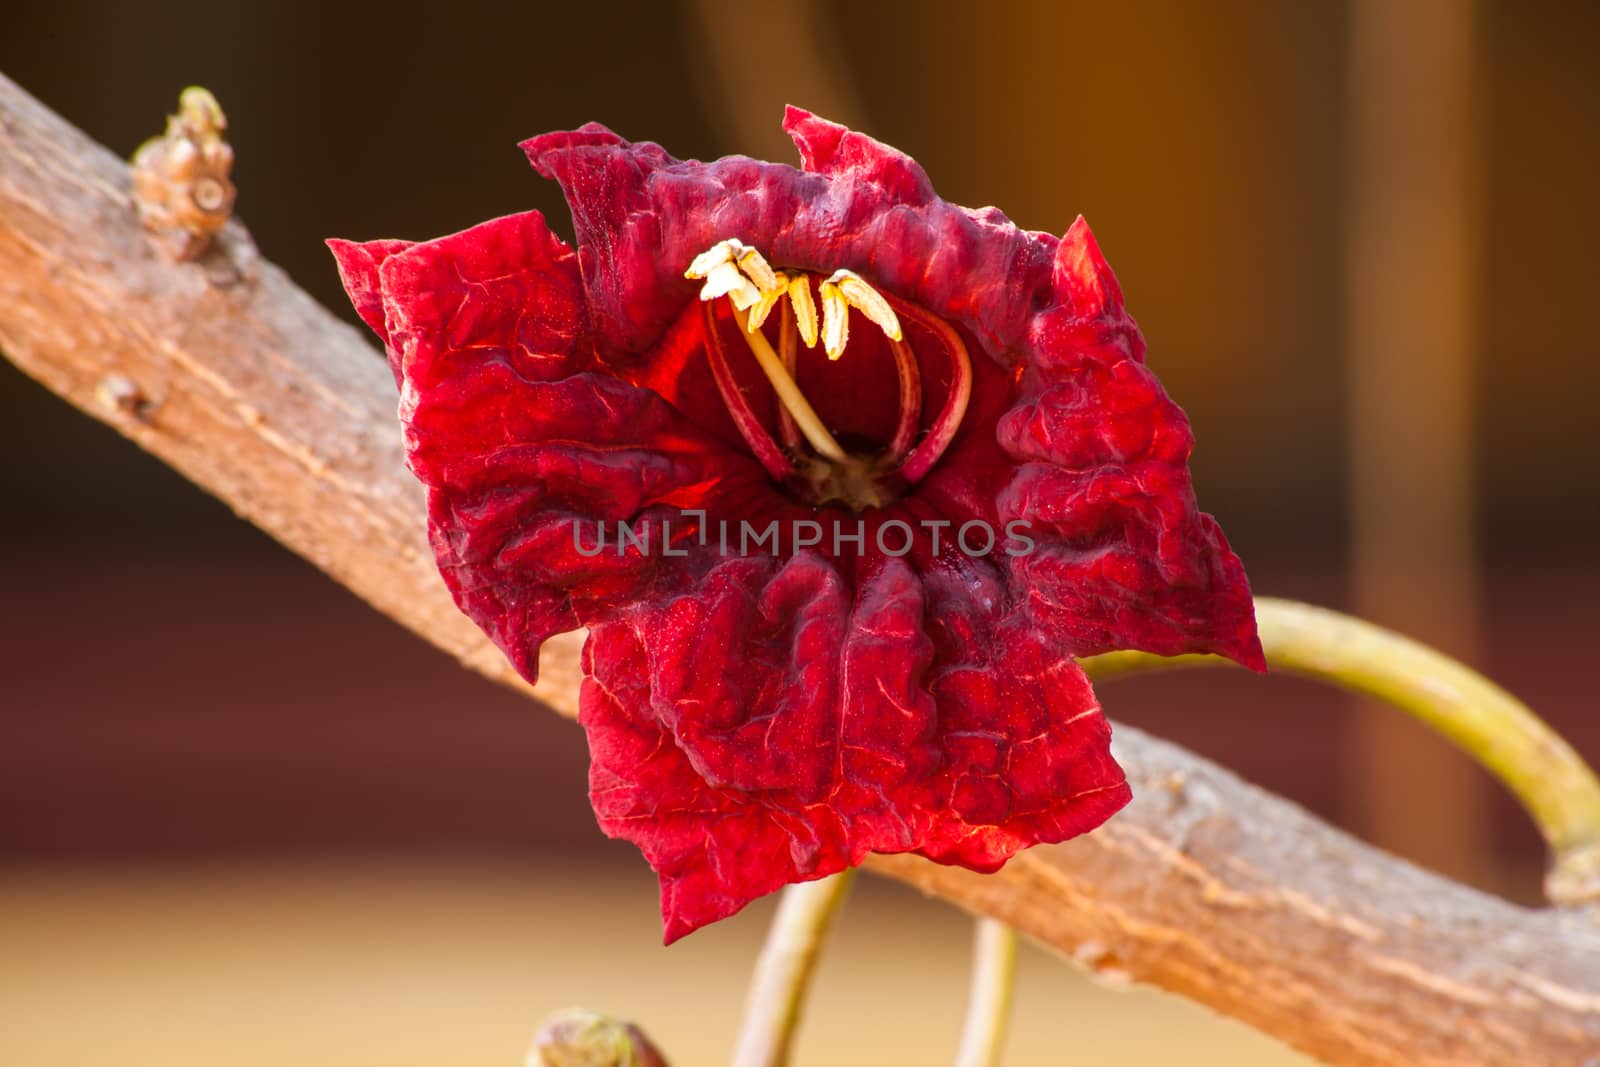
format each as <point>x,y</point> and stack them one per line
<point>843,154</point>
<point>642,217</point>
<point>1126,560</point>
<point>531,455</point>
<point>712,849</point>
<point>529,482</point>
<point>358,264</point>
<point>1039,772</point>
<point>505,290</point>
<point>833,728</point>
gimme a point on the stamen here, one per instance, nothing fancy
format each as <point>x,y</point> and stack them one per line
<point>774,459</point>
<point>789,394</point>
<point>725,280</point>
<point>948,422</point>
<point>733,269</point>
<point>805,312</point>
<point>769,299</point>
<point>721,252</point>
<point>835,321</point>
<point>843,290</point>
<point>700,266</point>
<point>756,268</point>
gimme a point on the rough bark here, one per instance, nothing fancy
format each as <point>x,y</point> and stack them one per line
<point>1205,886</point>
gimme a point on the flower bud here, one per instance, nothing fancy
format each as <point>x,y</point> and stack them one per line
<point>577,1037</point>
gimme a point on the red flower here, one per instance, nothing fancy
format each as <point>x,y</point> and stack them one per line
<point>772,715</point>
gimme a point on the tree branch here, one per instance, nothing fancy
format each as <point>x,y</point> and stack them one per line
<point>1205,885</point>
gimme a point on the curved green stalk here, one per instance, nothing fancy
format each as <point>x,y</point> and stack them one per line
<point>1552,782</point>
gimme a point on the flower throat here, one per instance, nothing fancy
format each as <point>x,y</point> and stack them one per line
<point>807,457</point>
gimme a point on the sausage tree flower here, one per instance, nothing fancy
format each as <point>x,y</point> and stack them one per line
<point>876,382</point>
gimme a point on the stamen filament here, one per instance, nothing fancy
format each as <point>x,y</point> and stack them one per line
<point>948,422</point>
<point>789,395</point>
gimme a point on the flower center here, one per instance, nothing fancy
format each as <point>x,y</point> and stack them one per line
<point>809,456</point>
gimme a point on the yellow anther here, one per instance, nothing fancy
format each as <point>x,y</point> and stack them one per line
<point>805,311</point>
<point>769,300</point>
<point>797,287</point>
<point>835,321</point>
<point>845,290</point>
<point>755,267</point>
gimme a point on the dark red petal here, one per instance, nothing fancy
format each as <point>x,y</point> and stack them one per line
<point>751,635</point>
<point>713,849</point>
<point>1025,749</point>
<point>358,268</point>
<point>769,728</point>
<point>526,478</point>
<point>505,290</point>
<point>1125,559</point>
<point>524,445</point>
<point>642,216</point>
<point>1084,284</point>
<point>831,149</point>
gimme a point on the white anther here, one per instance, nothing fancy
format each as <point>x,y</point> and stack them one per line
<point>845,290</point>
<point>734,270</point>
<point>721,252</point>
<point>725,280</point>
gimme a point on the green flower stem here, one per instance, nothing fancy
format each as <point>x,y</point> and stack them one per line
<point>1551,780</point>
<point>783,972</point>
<point>994,972</point>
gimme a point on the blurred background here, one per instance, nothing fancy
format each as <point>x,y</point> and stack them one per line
<point>244,819</point>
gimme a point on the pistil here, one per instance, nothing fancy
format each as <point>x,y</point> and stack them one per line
<point>789,394</point>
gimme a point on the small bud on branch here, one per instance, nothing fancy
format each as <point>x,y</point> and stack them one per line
<point>181,183</point>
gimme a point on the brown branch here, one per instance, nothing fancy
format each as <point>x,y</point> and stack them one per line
<point>1205,886</point>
